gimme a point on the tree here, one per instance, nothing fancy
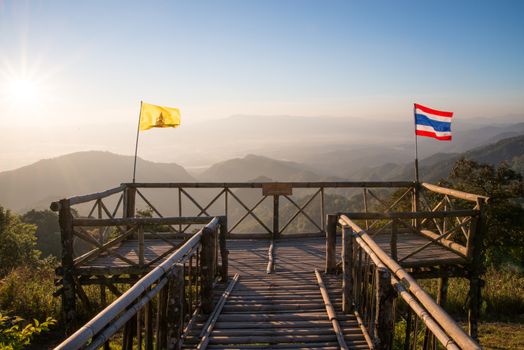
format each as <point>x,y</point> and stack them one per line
<point>47,231</point>
<point>17,242</point>
<point>504,240</point>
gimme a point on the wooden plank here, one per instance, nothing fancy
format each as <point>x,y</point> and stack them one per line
<point>411,215</point>
<point>142,221</point>
<point>55,206</point>
<point>455,193</point>
<point>317,184</point>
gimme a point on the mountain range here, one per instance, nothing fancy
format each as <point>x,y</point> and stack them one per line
<point>36,185</point>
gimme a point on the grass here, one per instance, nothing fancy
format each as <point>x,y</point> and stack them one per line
<point>502,296</point>
<point>499,335</point>
<point>502,325</point>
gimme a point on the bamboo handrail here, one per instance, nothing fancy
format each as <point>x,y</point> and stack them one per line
<point>312,184</point>
<point>411,215</point>
<point>141,221</point>
<point>455,193</point>
<point>408,298</point>
<point>97,324</point>
<point>436,312</point>
<point>55,206</point>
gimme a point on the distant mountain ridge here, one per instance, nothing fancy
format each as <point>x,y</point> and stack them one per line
<point>438,166</point>
<point>253,166</point>
<point>36,185</point>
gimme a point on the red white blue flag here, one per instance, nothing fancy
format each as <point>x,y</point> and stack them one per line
<point>432,123</point>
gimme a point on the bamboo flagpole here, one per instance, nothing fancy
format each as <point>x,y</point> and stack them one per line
<point>136,144</point>
<point>416,142</point>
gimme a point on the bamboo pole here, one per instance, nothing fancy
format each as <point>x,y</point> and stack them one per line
<point>175,306</point>
<point>270,257</point>
<point>347,265</point>
<point>127,221</point>
<point>207,260</point>
<point>65,220</point>
<point>331,312</point>
<point>447,323</point>
<point>384,315</point>
<point>455,193</point>
<point>331,243</point>
<point>224,253</point>
<point>210,324</point>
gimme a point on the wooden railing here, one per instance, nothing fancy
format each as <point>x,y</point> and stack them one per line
<point>373,281</point>
<point>97,224</point>
<point>181,286</point>
<point>271,207</point>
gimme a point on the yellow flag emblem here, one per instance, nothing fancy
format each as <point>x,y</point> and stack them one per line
<point>152,116</point>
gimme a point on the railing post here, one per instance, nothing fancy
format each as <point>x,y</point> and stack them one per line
<point>148,324</point>
<point>475,282</point>
<point>207,260</point>
<point>129,202</point>
<point>442,295</point>
<point>224,253</point>
<point>161,319</point>
<point>276,224</point>
<point>393,241</point>
<point>331,243</point>
<point>416,203</point>
<point>384,317</point>
<point>347,275</point>
<point>175,305</point>
<point>65,219</point>
<point>141,258</point>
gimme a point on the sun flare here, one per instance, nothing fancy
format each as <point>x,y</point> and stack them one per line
<point>23,90</point>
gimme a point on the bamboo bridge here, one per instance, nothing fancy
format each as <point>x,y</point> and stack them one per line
<point>192,273</point>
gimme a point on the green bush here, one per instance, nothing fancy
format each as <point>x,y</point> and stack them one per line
<point>28,291</point>
<point>47,231</point>
<point>17,242</point>
<point>14,335</point>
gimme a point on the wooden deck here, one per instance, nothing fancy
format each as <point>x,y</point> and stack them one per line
<point>282,310</point>
<point>296,254</point>
<point>432,255</point>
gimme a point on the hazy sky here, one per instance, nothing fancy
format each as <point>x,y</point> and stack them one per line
<point>71,66</point>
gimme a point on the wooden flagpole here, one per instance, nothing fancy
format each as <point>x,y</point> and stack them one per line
<point>136,144</point>
<point>416,143</point>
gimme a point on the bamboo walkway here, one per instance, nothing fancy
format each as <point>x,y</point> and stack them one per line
<point>281,310</point>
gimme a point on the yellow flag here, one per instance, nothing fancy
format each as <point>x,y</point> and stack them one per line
<point>152,116</point>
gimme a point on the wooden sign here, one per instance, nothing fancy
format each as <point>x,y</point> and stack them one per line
<point>277,189</point>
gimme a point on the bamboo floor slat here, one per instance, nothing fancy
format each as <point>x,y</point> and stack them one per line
<point>282,310</point>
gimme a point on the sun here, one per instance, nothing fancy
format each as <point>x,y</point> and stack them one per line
<point>23,90</point>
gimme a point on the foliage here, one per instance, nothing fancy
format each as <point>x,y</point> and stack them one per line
<point>14,336</point>
<point>148,213</point>
<point>502,295</point>
<point>17,242</point>
<point>47,231</point>
<point>27,291</point>
<point>504,240</point>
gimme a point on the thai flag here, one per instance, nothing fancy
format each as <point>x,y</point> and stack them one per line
<point>432,123</point>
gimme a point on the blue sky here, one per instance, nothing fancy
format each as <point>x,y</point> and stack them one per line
<point>92,61</point>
